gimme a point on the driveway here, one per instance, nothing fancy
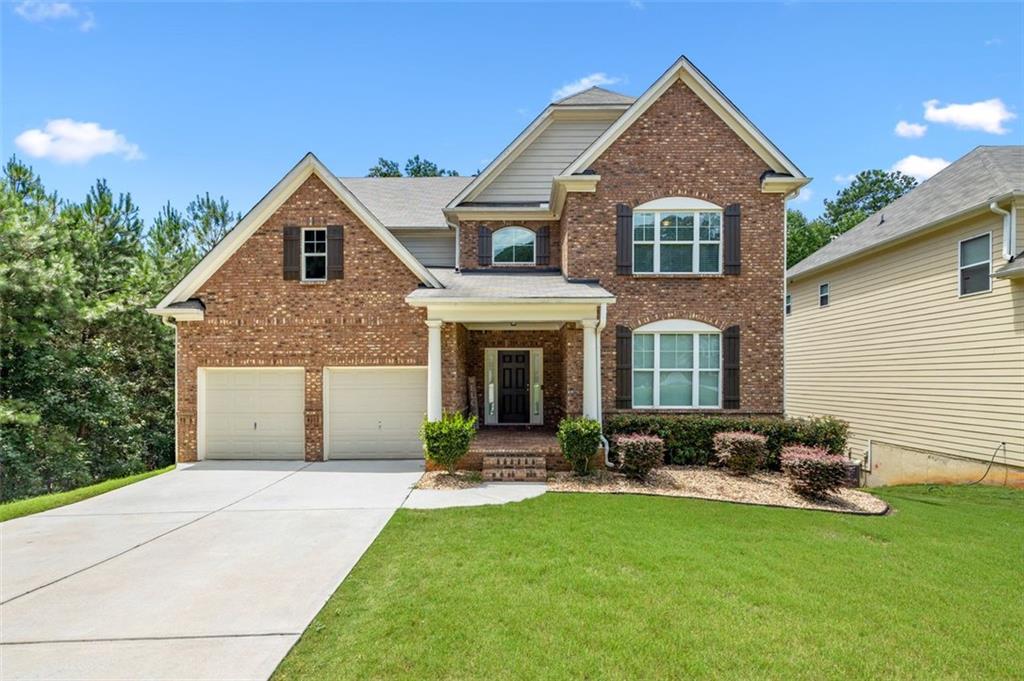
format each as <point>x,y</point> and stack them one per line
<point>210,571</point>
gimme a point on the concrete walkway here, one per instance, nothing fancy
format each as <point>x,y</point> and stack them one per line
<point>210,571</point>
<point>484,495</point>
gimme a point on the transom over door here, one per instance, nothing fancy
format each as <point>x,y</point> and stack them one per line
<point>254,413</point>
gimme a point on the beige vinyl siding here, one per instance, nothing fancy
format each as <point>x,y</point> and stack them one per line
<point>903,358</point>
<point>434,248</point>
<point>528,176</point>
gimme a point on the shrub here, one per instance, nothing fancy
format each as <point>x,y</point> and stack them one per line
<point>639,454</point>
<point>446,441</point>
<point>812,471</point>
<point>741,452</point>
<point>689,438</point>
<point>579,438</point>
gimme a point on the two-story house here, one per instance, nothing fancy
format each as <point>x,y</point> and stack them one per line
<point>620,254</point>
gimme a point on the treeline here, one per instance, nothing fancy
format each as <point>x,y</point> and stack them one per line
<point>86,375</point>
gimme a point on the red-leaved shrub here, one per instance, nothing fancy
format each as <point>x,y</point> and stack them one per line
<point>812,471</point>
<point>741,452</point>
<point>639,454</point>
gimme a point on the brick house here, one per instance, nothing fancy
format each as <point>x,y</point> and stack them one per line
<point>620,254</point>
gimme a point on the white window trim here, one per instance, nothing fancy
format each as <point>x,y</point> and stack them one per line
<point>491,386</point>
<point>828,293</point>
<point>961,267</point>
<point>494,260</point>
<point>695,371</point>
<point>696,242</point>
<point>303,255</point>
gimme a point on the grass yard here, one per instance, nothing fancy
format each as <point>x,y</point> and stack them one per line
<point>23,507</point>
<point>591,586</point>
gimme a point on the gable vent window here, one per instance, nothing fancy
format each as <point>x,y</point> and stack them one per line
<point>823,295</point>
<point>976,265</point>
<point>314,255</point>
<point>514,246</point>
<point>677,242</point>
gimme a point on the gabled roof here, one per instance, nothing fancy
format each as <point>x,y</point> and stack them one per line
<point>407,202</point>
<point>684,70</point>
<point>595,96</point>
<point>984,175</point>
<point>309,165</point>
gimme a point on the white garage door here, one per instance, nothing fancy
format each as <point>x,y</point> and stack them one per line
<point>254,413</point>
<point>375,412</point>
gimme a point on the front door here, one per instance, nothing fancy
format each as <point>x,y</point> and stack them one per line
<point>514,386</point>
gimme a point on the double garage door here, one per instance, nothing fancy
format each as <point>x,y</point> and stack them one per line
<point>369,412</point>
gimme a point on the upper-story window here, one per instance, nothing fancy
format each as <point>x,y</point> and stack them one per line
<point>976,265</point>
<point>823,294</point>
<point>514,246</point>
<point>789,303</point>
<point>314,254</point>
<point>677,236</point>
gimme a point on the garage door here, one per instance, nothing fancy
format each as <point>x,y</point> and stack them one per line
<point>254,413</point>
<point>375,412</point>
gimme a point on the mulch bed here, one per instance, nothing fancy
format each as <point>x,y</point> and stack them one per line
<point>442,480</point>
<point>763,489</point>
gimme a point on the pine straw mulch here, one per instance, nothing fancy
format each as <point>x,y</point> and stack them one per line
<point>763,489</point>
<point>442,480</point>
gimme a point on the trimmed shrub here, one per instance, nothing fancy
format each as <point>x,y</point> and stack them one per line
<point>742,453</point>
<point>689,438</point>
<point>579,438</point>
<point>639,454</point>
<point>446,441</point>
<point>812,471</point>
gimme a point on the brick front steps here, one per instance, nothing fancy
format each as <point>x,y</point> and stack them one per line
<point>515,468</point>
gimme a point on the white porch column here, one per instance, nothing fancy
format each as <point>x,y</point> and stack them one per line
<point>590,351</point>
<point>434,369</point>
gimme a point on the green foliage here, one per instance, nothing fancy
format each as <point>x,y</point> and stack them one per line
<point>414,167</point>
<point>689,439</point>
<point>803,237</point>
<point>385,168</point>
<point>742,453</point>
<point>639,454</point>
<point>812,471</point>
<point>446,441</point>
<point>579,438</point>
<point>869,192</point>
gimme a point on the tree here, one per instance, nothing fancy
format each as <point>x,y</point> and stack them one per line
<point>385,168</point>
<point>414,167</point>
<point>870,191</point>
<point>803,237</point>
<point>209,220</point>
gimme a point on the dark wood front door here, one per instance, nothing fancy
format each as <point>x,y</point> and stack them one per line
<point>514,386</point>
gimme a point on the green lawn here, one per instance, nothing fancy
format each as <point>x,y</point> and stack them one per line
<point>22,507</point>
<point>590,586</point>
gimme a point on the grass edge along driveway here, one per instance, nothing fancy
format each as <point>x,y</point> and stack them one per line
<point>595,586</point>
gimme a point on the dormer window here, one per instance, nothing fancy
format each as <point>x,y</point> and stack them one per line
<point>677,236</point>
<point>514,246</point>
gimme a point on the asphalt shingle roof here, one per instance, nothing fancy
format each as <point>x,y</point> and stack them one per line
<point>505,285</point>
<point>976,179</point>
<point>595,96</point>
<point>407,202</point>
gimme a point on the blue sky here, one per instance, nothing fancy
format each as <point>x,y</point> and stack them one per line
<point>225,98</point>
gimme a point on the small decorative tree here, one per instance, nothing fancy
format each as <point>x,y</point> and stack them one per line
<point>741,452</point>
<point>812,471</point>
<point>579,438</point>
<point>446,441</point>
<point>639,454</point>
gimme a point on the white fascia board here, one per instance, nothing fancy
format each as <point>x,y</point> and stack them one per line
<point>784,185</point>
<point>498,213</point>
<point>254,219</point>
<point>684,70</point>
<point>480,311</point>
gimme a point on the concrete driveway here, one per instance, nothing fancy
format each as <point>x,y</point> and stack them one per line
<point>210,571</point>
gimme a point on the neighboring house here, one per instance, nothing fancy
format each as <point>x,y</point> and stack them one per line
<point>910,326</point>
<point>620,254</point>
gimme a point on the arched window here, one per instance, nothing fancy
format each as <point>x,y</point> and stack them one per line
<point>677,364</point>
<point>514,246</point>
<point>677,235</point>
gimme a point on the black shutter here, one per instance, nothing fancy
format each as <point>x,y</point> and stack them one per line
<point>483,247</point>
<point>624,238</point>
<point>544,245</point>
<point>731,368</point>
<point>731,240</point>
<point>335,253</point>
<point>623,367</point>
<point>291,253</point>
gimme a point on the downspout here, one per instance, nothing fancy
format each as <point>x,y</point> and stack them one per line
<point>1009,230</point>
<point>602,322</point>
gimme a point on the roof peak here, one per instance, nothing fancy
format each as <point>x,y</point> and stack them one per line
<point>595,96</point>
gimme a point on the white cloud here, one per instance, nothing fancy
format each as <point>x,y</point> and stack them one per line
<point>993,42</point>
<point>844,179</point>
<point>920,167</point>
<point>912,130</point>
<point>637,4</point>
<point>584,83</point>
<point>69,141</point>
<point>988,115</point>
<point>804,196</point>
<point>37,11</point>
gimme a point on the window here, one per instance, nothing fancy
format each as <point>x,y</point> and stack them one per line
<point>976,265</point>
<point>314,255</point>
<point>513,246</point>
<point>823,295</point>
<point>789,303</point>
<point>677,241</point>
<point>677,370</point>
